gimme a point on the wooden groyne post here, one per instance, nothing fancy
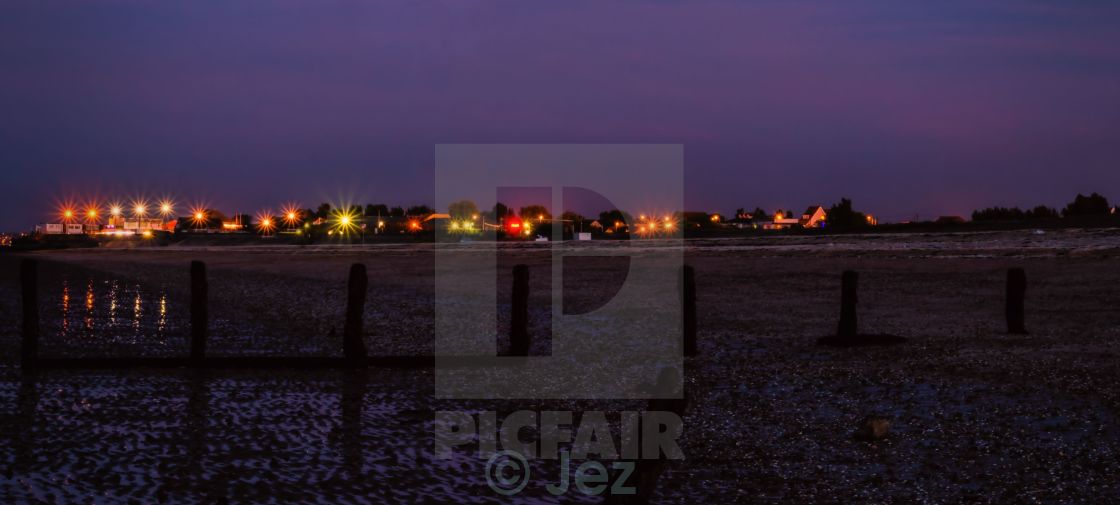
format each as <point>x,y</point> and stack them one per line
<point>647,471</point>
<point>353,343</point>
<point>849,287</point>
<point>199,312</point>
<point>29,347</point>
<point>1016,294</point>
<point>688,298</point>
<point>519,312</point>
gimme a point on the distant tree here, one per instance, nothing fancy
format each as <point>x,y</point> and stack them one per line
<point>571,216</point>
<point>760,215</point>
<point>999,214</point>
<point>419,210</point>
<point>842,216</point>
<point>695,218</point>
<point>740,213</point>
<point>1042,212</point>
<point>214,219</point>
<point>462,209</point>
<point>499,211</point>
<point>609,218</point>
<point>534,212</point>
<point>324,211</point>
<point>1092,205</point>
<point>378,209</point>
<point>396,212</point>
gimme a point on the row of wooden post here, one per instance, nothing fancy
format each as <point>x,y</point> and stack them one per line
<point>353,344</point>
<point>1015,311</point>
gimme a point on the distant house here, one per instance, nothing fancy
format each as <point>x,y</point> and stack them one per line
<point>813,217</point>
<point>742,221</point>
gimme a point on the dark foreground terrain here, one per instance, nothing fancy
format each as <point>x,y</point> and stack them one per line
<point>976,414</point>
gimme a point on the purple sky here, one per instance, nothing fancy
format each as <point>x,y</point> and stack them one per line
<point>908,108</point>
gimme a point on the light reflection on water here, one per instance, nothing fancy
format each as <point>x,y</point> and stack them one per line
<point>113,311</point>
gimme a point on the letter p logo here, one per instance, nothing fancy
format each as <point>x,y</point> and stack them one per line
<point>614,351</point>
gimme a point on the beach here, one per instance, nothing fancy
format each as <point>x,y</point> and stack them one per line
<point>975,414</point>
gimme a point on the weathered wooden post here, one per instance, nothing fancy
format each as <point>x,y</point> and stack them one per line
<point>199,312</point>
<point>353,344</point>
<point>647,470</point>
<point>198,412</point>
<point>688,296</point>
<point>353,393</point>
<point>519,312</point>
<point>849,281</point>
<point>29,348</point>
<point>1016,293</point>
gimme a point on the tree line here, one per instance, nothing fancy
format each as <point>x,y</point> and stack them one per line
<point>1081,206</point>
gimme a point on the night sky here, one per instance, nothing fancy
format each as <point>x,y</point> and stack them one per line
<point>909,108</point>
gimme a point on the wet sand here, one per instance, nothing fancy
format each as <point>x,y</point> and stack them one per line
<point>977,415</point>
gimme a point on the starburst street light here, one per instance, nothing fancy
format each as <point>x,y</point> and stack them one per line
<point>292,215</point>
<point>115,210</point>
<point>345,220</point>
<point>140,208</point>
<point>166,207</point>
<point>265,223</point>
<point>198,216</point>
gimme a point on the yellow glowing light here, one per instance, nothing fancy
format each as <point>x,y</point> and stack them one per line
<point>165,208</point>
<point>91,213</point>
<point>139,209</point>
<point>67,213</point>
<point>474,216</point>
<point>115,210</point>
<point>345,219</point>
<point>381,224</point>
<point>668,226</point>
<point>147,233</point>
<point>454,225</point>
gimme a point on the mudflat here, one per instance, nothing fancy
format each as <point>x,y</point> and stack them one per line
<point>974,413</point>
